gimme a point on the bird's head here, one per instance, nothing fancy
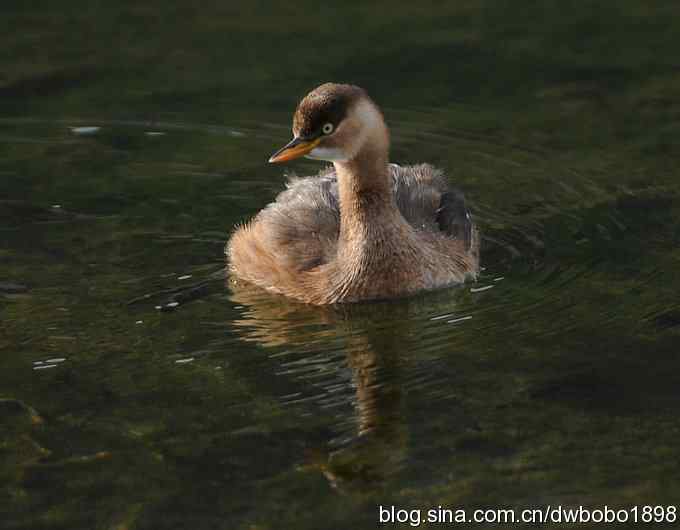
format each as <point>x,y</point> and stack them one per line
<point>333,122</point>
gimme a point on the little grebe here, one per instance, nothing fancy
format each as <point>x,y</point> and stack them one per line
<point>362,229</point>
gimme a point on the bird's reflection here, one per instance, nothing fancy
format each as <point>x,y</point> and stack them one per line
<point>381,441</point>
<point>377,443</point>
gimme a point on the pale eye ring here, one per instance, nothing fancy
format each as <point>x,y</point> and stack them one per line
<point>327,128</point>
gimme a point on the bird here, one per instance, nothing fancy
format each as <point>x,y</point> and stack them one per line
<point>362,228</point>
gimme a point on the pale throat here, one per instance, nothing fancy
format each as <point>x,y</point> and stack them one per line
<point>330,154</point>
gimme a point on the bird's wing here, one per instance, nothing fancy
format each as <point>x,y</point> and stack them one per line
<point>428,203</point>
<point>301,227</point>
<point>453,217</point>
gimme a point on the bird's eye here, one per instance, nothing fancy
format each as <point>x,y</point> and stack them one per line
<point>327,128</point>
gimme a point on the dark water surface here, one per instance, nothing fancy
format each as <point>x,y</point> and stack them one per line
<point>141,389</point>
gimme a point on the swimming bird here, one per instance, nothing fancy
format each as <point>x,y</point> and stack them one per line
<point>361,229</point>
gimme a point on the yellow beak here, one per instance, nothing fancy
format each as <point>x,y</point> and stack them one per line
<point>296,148</point>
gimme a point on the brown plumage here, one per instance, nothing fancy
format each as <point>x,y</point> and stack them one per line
<point>362,229</point>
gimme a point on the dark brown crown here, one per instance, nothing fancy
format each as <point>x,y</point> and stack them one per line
<point>328,103</point>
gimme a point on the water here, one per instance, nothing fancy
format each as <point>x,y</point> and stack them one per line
<point>142,388</point>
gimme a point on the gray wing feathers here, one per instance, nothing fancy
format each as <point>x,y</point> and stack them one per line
<point>453,217</point>
<point>304,221</point>
<point>427,202</point>
<point>418,191</point>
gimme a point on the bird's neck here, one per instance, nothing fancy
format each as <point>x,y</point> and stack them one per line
<point>368,209</point>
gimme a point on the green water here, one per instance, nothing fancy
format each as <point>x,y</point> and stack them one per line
<point>141,389</point>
